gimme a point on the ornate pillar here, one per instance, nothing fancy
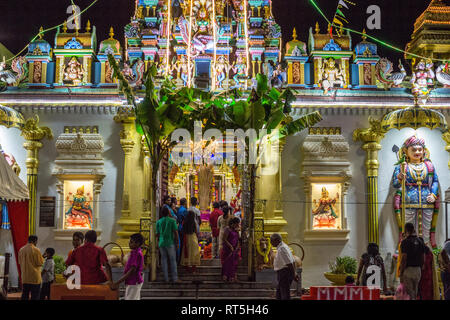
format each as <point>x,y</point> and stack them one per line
<point>146,179</point>
<point>371,138</point>
<point>446,138</point>
<point>33,134</point>
<point>128,139</point>
<point>269,192</point>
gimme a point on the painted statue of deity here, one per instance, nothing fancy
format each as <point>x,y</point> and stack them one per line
<point>325,212</point>
<point>422,77</point>
<point>331,75</point>
<point>240,68</point>
<point>222,67</point>
<point>80,213</point>
<point>183,69</point>
<point>73,71</point>
<point>417,175</point>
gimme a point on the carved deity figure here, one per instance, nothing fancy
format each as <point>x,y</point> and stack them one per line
<point>422,77</point>
<point>416,176</point>
<point>183,69</point>
<point>240,68</point>
<point>80,213</point>
<point>73,71</point>
<point>221,69</point>
<point>325,212</point>
<point>330,75</point>
<point>162,67</point>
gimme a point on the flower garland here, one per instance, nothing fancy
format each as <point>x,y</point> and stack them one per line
<point>264,254</point>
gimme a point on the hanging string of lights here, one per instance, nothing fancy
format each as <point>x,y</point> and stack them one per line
<point>383,43</point>
<point>52,28</point>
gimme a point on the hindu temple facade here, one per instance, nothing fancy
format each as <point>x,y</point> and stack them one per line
<point>333,192</point>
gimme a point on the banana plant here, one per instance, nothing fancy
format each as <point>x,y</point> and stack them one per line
<point>165,109</point>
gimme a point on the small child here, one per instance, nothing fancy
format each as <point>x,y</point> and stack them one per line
<point>133,272</point>
<point>48,273</point>
<point>349,281</point>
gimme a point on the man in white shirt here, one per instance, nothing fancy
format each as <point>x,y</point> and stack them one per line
<point>284,265</point>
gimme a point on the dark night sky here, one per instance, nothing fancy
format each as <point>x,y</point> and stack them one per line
<point>20,20</point>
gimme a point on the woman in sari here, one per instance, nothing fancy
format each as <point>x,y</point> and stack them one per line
<point>428,281</point>
<point>444,266</point>
<point>222,224</point>
<point>230,253</point>
<point>190,255</point>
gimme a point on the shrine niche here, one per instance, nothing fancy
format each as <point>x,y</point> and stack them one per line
<point>330,55</point>
<point>75,56</point>
<point>366,58</point>
<point>326,174</point>
<point>79,170</point>
<point>296,57</point>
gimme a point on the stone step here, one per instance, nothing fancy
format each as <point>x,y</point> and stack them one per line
<point>208,269</point>
<point>201,277</point>
<point>206,293</point>
<point>208,285</point>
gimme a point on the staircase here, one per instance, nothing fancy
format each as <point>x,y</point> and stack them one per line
<point>206,284</point>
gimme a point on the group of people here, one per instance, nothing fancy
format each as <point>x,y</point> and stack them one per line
<point>415,269</point>
<point>38,274</point>
<point>178,233</point>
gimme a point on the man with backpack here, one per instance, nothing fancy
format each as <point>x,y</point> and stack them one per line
<point>412,258</point>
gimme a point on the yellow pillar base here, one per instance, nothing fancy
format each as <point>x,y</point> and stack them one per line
<point>129,226</point>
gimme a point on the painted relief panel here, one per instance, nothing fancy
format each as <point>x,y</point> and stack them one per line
<point>326,206</point>
<point>78,204</point>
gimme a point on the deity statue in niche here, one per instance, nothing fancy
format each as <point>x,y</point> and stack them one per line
<point>73,72</point>
<point>79,214</point>
<point>330,75</point>
<point>416,174</point>
<point>325,211</point>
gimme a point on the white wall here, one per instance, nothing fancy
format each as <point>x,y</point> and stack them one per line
<point>317,255</point>
<point>111,193</point>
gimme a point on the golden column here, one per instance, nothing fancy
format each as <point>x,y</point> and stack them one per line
<point>33,135</point>
<point>146,179</point>
<point>128,139</point>
<point>371,137</point>
<point>269,192</point>
<point>446,138</point>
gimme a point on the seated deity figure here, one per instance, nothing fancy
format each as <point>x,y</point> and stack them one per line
<point>73,72</point>
<point>422,77</point>
<point>325,211</point>
<point>80,213</point>
<point>416,176</point>
<point>331,75</point>
<point>240,68</point>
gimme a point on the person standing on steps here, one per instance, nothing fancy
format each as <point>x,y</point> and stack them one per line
<point>190,255</point>
<point>215,229</point>
<point>197,212</point>
<point>230,253</point>
<point>167,238</point>
<point>284,265</point>
<point>181,215</point>
<point>413,251</point>
<point>222,223</point>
